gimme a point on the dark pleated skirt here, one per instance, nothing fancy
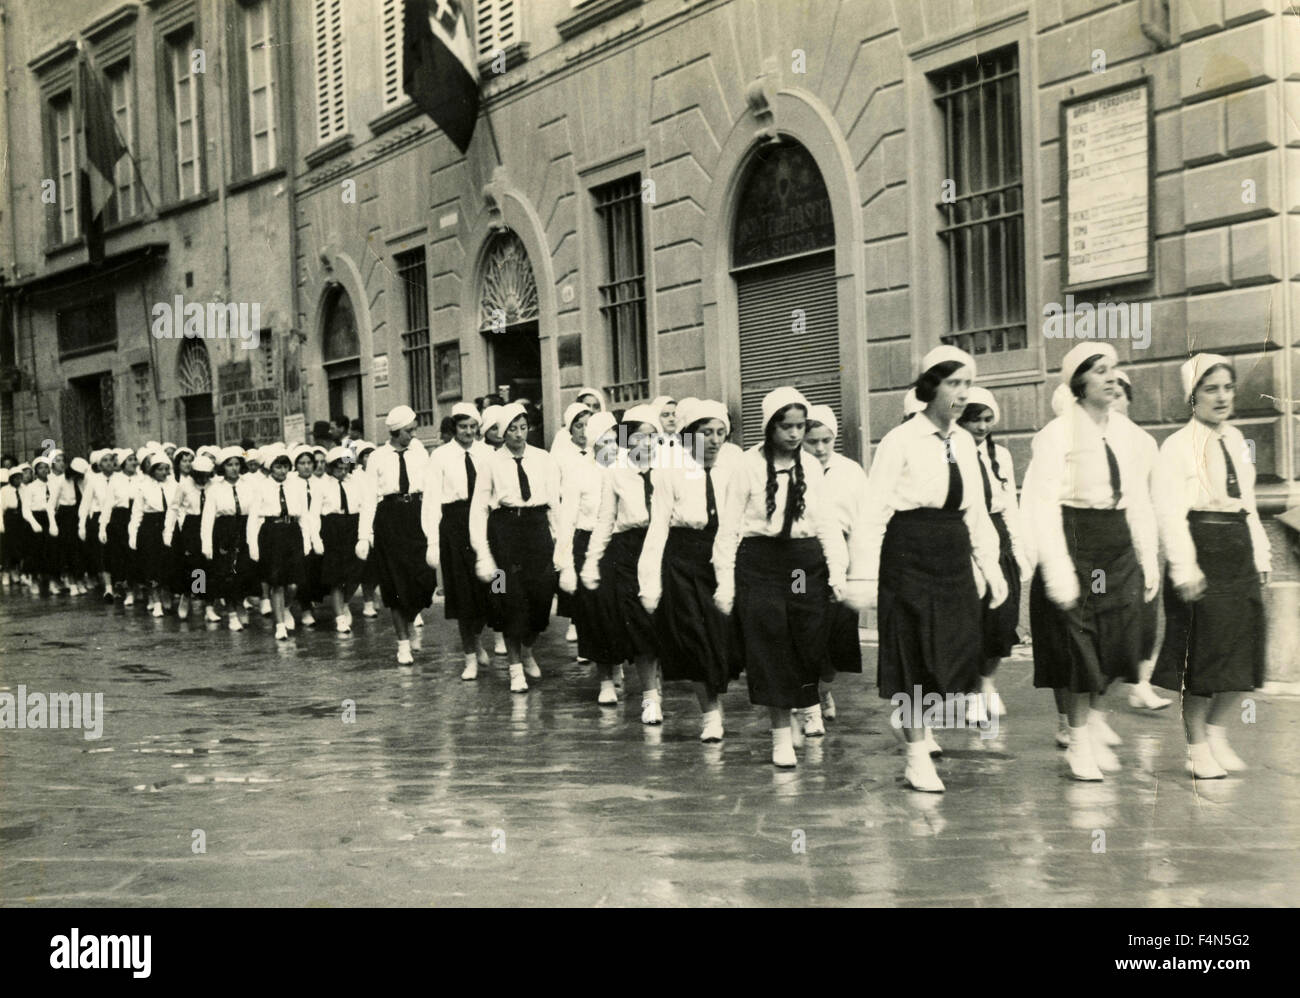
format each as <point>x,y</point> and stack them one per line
<point>584,599</point>
<point>339,567</point>
<point>234,575</point>
<point>569,604</point>
<point>1149,628</point>
<point>692,632</point>
<point>778,626</point>
<point>464,596</point>
<point>71,556</point>
<point>930,615</point>
<point>522,547</point>
<point>16,541</point>
<point>1099,641</point>
<point>94,551</point>
<point>187,557</point>
<point>1216,645</point>
<point>1000,622</point>
<point>119,559</point>
<point>152,557</point>
<point>843,647</point>
<point>312,588</point>
<point>42,551</point>
<point>280,558</point>
<point>620,628</point>
<point>406,582</point>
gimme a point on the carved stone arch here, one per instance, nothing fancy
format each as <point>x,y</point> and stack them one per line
<point>193,369</point>
<point>340,271</point>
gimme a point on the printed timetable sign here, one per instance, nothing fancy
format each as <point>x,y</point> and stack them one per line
<point>1106,170</point>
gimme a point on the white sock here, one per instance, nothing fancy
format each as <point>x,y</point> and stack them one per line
<point>1062,722</point>
<point>403,644</point>
<point>916,751</point>
<point>1080,736</point>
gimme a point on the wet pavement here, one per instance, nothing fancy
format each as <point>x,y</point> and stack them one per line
<point>444,792</point>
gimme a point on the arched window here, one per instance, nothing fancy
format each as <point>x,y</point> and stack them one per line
<point>341,353</point>
<point>508,314</point>
<point>194,376</point>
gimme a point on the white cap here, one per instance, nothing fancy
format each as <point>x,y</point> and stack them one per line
<point>399,418</point>
<point>168,443</point>
<point>159,456</point>
<point>982,396</point>
<point>464,409</point>
<point>692,410</point>
<point>1082,352</point>
<point>644,414</point>
<point>595,393</point>
<point>359,447</point>
<point>490,415</point>
<point>777,399</point>
<point>122,453</point>
<point>302,449</point>
<point>80,465</point>
<point>1062,399</point>
<point>203,464</point>
<point>911,404</point>
<point>271,454</point>
<point>228,452</point>
<point>944,353</point>
<point>574,410</point>
<point>340,454</point>
<point>255,455</point>
<point>144,453</point>
<point>823,414</point>
<point>598,425</point>
<point>1195,369</point>
<point>152,444</point>
<point>507,414</point>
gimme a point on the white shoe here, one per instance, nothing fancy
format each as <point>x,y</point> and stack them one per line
<point>920,773</point>
<point>783,749</point>
<point>518,684</point>
<point>571,634</point>
<point>308,619</point>
<point>265,608</point>
<point>652,711</point>
<point>470,672</point>
<point>711,731</point>
<point>812,722</point>
<point>608,696</point>
<point>1097,721</point>
<point>157,610</point>
<point>1079,755</point>
<point>618,675</point>
<point>979,714</point>
<point>342,626</point>
<point>417,622</point>
<point>1062,731</point>
<point>931,746</point>
<point>182,611</point>
<point>993,701</point>
<point>1143,697</point>
<point>1105,757</point>
<point>347,615</point>
<point>368,610</point>
<point>289,624</point>
<point>211,615</point>
<point>1202,764</point>
<point>1216,737</point>
<point>281,633</point>
<point>484,659</point>
<point>130,600</point>
<point>404,656</point>
<point>234,623</point>
<point>500,647</point>
<point>796,728</point>
<point>828,706</point>
<point>531,669</point>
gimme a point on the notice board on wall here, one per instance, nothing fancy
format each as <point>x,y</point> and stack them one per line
<point>1108,180</point>
<point>249,412</point>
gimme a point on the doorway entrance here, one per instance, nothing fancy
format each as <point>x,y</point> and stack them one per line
<point>508,323</point>
<point>87,415</point>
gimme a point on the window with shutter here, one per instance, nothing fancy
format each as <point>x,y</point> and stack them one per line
<point>331,114</point>
<point>496,27</point>
<point>390,19</point>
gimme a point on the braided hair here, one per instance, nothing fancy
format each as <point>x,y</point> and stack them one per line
<point>797,482</point>
<point>973,411</point>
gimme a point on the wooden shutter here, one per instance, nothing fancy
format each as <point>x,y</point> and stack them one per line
<point>773,352</point>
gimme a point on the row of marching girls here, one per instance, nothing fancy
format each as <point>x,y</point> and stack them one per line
<point>39,545</point>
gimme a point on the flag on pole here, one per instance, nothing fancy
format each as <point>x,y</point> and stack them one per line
<point>98,180</point>
<point>438,67</point>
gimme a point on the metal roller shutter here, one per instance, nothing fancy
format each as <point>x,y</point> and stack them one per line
<point>772,353</point>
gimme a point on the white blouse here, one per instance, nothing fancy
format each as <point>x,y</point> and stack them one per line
<point>580,490</point>
<point>63,492</point>
<point>1068,467</point>
<point>744,514</point>
<point>498,485</point>
<point>1192,474</point>
<point>1004,495</point>
<point>36,496</point>
<point>266,506</point>
<point>330,493</point>
<point>121,490</point>
<point>94,492</point>
<point>8,500</point>
<point>622,508</point>
<point>225,499</point>
<point>680,500</point>
<point>910,471</point>
<point>446,480</point>
<point>151,496</point>
<point>383,469</point>
<point>189,501</point>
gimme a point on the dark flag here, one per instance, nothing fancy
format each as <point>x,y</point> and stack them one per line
<point>98,179</point>
<point>438,69</point>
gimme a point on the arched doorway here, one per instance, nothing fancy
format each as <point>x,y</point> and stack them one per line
<point>783,263</point>
<point>508,316</point>
<point>194,376</point>
<point>341,356</point>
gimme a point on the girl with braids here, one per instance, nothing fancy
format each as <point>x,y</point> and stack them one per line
<point>183,533</point>
<point>999,481</point>
<point>924,521</point>
<point>623,628</point>
<point>779,561</point>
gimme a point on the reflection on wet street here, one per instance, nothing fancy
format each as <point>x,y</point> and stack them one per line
<point>451,793</point>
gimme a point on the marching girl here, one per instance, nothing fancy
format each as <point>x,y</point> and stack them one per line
<point>94,507</point>
<point>592,398</point>
<point>183,532</point>
<point>1141,695</point>
<point>365,478</point>
<point>491,433</point>
<point>1219,560</point>
<point>453,472</point>
<point>281,532</point>
<point>623,629</point>
<point>390,520</point>
<point>67,483</point>
<point>675,571</point>
<point>309,463</point>
<point>923,523</point>
<point>492,439</point>
<point>1087,507</point>
<point>14,526</point>
<point>42,555</point>
<point>512,525</point>
<point>575,419</point>
<point>777,526</point>
<point>176,582</point>
<point>580,491</point>
<point>999,483</point>
<point>114,524</point>
<point>223,532</point>
<point>340,499</point>
<point>846,488</point>
<point>154,496</point>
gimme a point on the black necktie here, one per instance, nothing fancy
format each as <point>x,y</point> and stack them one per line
<point>163,492</point>
<point>1115,490</point>
<point>1234,486</point>
<point>343,499</point>
<point>235,492</point>
<point>649,490</point>
<point>787,519</point>
<point>308,484</point>
<point>525,493</point>
<point>403,481</point>
<point>284,506</point>
<point>988,487</point>
<point>203,498</point>
<point>952,502</point>
<point>710,504</point>
<point>471,476</point>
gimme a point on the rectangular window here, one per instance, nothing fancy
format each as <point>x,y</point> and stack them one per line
<point>126,203</point>
<point>496,27</point>
<point>411,274</point>
<point>982,212</point>
<point>87,328</point>
<point>184,100</point>
<point>259,51</point>
<point>65,164</point>
<point>623,293</point>
<point>390,19</point>
<point>140,386</point>
<point>327,26</point>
